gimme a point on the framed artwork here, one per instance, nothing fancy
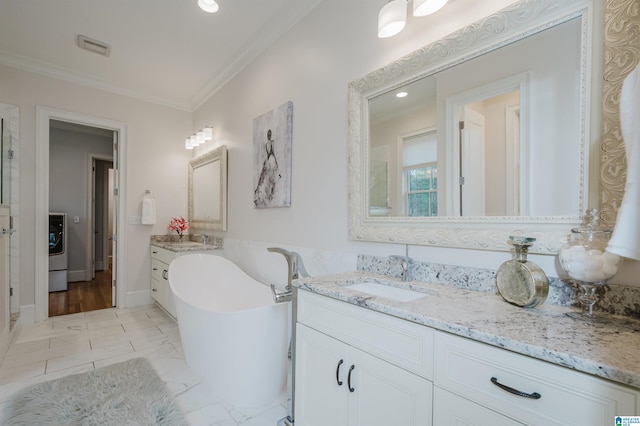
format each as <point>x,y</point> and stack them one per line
<point>272,136</point>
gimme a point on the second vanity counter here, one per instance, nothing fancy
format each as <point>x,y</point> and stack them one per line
<point>609,349</point>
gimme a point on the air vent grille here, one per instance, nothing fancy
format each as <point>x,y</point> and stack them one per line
<point>94,46</point>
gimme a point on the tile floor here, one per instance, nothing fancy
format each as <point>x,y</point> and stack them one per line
<point>77,343</point>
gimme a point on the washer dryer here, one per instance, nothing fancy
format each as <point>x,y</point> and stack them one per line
<point>58,253</point>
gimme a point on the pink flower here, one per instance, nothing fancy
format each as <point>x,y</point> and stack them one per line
<point>179,225</point>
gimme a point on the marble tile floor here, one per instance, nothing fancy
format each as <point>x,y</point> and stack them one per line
<point>77,343</point>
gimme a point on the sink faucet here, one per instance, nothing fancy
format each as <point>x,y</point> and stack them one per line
<point>295,270</point>
<point>205,239</point>
<point>405,262</point>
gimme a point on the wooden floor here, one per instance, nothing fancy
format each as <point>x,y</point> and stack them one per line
<point>82,296</point>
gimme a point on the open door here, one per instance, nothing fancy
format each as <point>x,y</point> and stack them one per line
<point>472,163</point>
<point>115,202</point>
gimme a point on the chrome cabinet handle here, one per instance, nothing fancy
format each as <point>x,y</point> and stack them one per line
<point>351,389</point>
<point>338,372</point>
<point>7,231</point>
<point>164,274</point>
<point>516,392</point>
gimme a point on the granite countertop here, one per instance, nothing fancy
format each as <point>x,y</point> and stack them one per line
<point>608,348</point>
<point>183,246</point>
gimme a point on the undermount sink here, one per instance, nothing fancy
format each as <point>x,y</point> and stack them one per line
<point>390,292</point>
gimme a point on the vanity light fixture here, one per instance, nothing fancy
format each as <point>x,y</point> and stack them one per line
<point>393,16</point>
<point>209,6</point>
<point>198,138</point>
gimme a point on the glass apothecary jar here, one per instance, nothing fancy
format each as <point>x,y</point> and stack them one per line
<point>585,259</point>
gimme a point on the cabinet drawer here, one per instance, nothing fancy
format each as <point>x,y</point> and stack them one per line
<point>157,269</point>
<point>403,343</point>
<point>162,255</point>
<point>453,410</point>
<point>567,397</point>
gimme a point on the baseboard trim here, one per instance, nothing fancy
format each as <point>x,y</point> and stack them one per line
<point>136,298</point>
<point>27,314</point>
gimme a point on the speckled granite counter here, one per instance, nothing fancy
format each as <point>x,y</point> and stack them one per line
<point>609,349</point>
<point>172,243</point>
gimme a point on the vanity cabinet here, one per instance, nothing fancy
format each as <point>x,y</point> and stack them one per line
<point>357,367</point>
<point>160,260</point>
<point>531,391</point>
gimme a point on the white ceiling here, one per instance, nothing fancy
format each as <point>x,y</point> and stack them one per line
<point>164,51</point>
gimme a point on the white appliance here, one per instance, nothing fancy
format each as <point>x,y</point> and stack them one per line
<point>58,253</point>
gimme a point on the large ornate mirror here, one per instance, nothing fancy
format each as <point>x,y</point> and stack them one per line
<point>483,134</point>
<point>208,190</point>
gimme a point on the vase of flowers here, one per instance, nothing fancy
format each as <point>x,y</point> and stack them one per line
<point>179,225</point>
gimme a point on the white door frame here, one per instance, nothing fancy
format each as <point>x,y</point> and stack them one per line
<point>43,117</point>
<point>521,82</point>
<point>90,259</point>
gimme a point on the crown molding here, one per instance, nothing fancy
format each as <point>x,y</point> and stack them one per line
<point>71,76</point>
<point>281,22</point>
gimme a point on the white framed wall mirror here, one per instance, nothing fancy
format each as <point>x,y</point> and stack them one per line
<point>492,138</point>
<point>208,190</point>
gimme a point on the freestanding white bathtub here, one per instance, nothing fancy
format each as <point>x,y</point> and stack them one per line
<point>233,334</point>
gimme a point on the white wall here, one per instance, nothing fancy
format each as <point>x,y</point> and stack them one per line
<point>311,66</point>
<point>156,160</point>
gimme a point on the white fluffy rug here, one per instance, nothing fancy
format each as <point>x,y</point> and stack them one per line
<point>127,393</point>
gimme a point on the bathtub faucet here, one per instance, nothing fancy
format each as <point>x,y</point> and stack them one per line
<point>295,270</point>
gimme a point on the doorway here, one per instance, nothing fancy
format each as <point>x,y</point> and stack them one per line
<point>80,158</point>
<point>83,219</point>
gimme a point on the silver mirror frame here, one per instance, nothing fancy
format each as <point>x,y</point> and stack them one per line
<point>219,153</point>
<point>519,20</point>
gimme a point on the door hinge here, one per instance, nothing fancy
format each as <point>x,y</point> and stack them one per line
<point>115,237</point>
<point>115,283</point>
<point>461,180</point>
<point>461,125</point>
<point>115,191</point>
<point>11,154</point>
<point>10,291</point>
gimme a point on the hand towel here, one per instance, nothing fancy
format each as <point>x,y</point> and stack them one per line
<point>626,234</point>
<point>148,211</point>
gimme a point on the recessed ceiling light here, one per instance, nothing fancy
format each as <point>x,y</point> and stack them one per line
<point>208,5</point>
<point>401,94</point>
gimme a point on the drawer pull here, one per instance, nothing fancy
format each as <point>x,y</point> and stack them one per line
<point>338,372</point>
<point>513,391</point>
<point>154,252</point>
<point>154,289</point>
<point>349,378</point>
<point>164,274</point>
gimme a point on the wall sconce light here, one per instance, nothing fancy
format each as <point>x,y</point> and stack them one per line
<point>393,16</point>
<point>209,6</point>
<point>198,138</point>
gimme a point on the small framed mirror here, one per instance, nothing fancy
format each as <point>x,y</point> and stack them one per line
<point>208,190</point>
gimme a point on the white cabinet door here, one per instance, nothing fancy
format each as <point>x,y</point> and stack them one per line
<point>452,410</point>
<point>384,394</point>
<point>337,384</point>
<point>321,379</point>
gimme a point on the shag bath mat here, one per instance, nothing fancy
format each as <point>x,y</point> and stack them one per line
<point>127,393</point>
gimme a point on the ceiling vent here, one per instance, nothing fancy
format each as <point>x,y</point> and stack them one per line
<point>94,46</point>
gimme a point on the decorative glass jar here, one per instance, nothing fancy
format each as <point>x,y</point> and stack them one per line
<point>520,281</point>
<point>585,259</point>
